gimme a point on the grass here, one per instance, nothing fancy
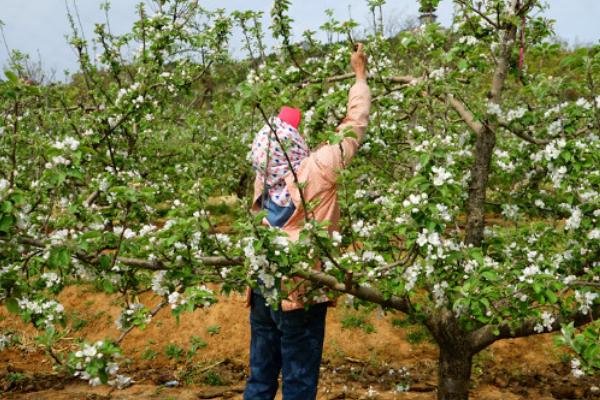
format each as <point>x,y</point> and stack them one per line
<point>357,321</point>
<point>196,344</point>
<point>77,322</point>
<point>213,378</point>
<point>416,332</point>
<point>173,352</point>
<point>149,354</point>
<point>213,330</point>
<point>15,377</point>
<point>418,335</point>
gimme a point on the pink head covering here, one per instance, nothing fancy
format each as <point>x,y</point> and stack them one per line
<point>268,158</point>
<point>290,115</point>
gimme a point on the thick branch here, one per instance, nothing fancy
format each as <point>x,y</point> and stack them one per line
<point>156,265</point>
<point>523,135</point>
<point>361,292</point>
<point>465,114</point>
<point>486,335</point>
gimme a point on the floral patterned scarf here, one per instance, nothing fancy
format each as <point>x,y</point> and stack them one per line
<point>268,158</point>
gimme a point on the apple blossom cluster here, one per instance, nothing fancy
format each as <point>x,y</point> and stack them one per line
<point>51,279</point>
<point>192,298</point>
<point>585,300</point>
<point>67,143</point>
<point>576,370</point>
<point>546,323</point>
<point>43,313</point>
<point>97,362</point>
<point>136,314</point>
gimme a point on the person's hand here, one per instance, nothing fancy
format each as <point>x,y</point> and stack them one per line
<point>359,62</point>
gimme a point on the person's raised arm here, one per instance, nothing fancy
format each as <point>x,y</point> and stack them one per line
<point>336,156</point>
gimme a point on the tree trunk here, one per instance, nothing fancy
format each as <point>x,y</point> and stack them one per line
<point>454,372</point>
<point>480,171</point>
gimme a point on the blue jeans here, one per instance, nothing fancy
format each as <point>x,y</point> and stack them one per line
<point>290,342</point>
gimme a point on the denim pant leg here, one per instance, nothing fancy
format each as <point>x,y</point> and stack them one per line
<point>302,337</point>
<point>265,352</point>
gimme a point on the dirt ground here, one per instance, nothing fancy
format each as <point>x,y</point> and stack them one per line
<point>357,364</point>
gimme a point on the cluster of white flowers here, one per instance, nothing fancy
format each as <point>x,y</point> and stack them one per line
<point>58,237</point>
<point>529,272</point>
<point>257,261</point>
<point>411,275</point>
<point>444,212</point>
<point>551,151</point>
<point>68,142</point>
<point>362,229</point>
<point>503,160</point>
<point>56,161</point>
<point>126,317</point>
<point>546,323</point>
<point>494,109</point>
<point>574,221</point>
<point>557,175</point>
<point>555,110</point>
<point>583,103</point>
<point>594,234</point>
<point>4,185</point>
<point>369,256</point>
<point>468,40</point>
<point>87,355</point>
<point>539,203</point>
<point>127,233</point>
<point>438,74</point>
<point>146,229</point>
<point>282,243</point>
<point>336,238</point>
<point>126,91</point>
<point>585,300</point>
<point>515,114</point>
<point>159,284</point>
<point>441,176</point>
<point>224,240</point>
<point>4,342</point>
<point>261,268</point>
<point>510,211</point>
<point>439,293</point>
<point>49,311</point>
<point>51,279</point>
<point>175,299</point>
<point>429,238</point>
<point>414,201</point>
<point>576,370</point>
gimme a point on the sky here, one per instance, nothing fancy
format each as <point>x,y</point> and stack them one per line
<point>38,27</point>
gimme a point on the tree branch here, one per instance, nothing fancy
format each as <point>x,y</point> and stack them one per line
<point>486,335</point>
<point>361,292</point>
<point>467,116</point>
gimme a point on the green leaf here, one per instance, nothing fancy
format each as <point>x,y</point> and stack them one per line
<point>6,222</point>
<point>334,138</point>
<point>12,305</point>
<point>12,77</point>
<point>551,296</point>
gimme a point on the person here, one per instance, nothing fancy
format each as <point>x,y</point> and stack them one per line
<point>290,338</point>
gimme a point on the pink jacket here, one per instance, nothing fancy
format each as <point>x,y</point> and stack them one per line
<point>319,173</point>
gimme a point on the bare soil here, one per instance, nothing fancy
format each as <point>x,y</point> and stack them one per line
<point>356,364</point>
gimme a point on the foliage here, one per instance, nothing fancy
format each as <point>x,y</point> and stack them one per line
<point>107,179</point>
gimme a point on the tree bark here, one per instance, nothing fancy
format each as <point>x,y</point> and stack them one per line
<point>480,172</point>
<point>484,145</point>
<point>454,372</point>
